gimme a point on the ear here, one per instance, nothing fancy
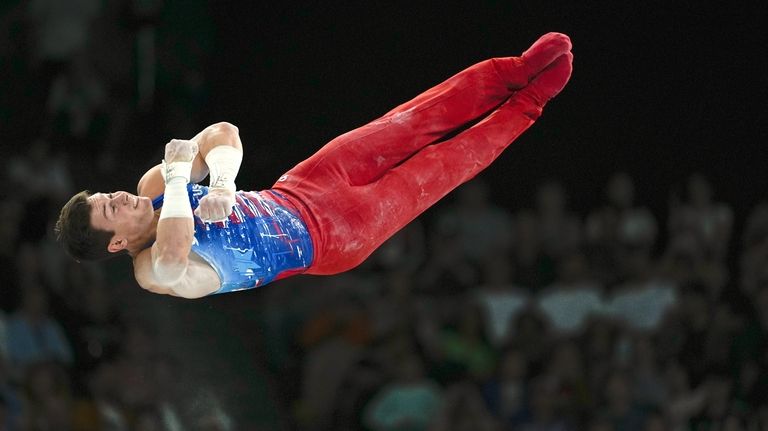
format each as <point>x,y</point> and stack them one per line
<point>117,244</point>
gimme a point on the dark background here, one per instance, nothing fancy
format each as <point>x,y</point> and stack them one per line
<point>660,89</point>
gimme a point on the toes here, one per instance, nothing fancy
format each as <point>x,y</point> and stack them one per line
<point>544,51</point>
<point>517,72</point>
<point>550,81</point>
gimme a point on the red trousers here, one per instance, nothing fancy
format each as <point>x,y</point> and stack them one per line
<point>365,185</point>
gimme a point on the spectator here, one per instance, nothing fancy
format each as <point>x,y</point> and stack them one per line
<point>718,406</point>
<point>41,191</point>
<point>598,348</point>
<point>463,410</point>
<point>708,221</point>
<point>480,228</point>
<point>212,416</point>
<point>647,381</point>
<point>148,418</point>
<point>410,402</point>
<point>642,304</point>
<point>405,251</point>
<point>48,400</point>
<point>683,259</point>
<point>334,341</point>
<point>34,336</point>
<point>167,373</point>
<point>655,421</point>
<point>446,271</point>
<point>619,229</point>
<point>506,392</point>
<point>531,334</point>
<point>697,311</point>
<point>723,327</point>
<point>93,321</point>
<point>569,373</point>
<point>568,303</point>
<point>78,98</point>
<point>135,365</point>
<point>683,401</point>
<point>106,411</point>
<point>501,301</point>
<point>750,387</point>
<point>543,412</point>
<point>600,423</point>
<point>459,349</point>
<point>619,404</point>
<point>11,399</point>
<point>60,34</point>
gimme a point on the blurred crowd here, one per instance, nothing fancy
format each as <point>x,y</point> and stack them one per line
<point>474,317</point>
<point>78,350</point>
<point>480,318</point>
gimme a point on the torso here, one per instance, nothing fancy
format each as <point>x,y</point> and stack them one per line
<point>263,240</point>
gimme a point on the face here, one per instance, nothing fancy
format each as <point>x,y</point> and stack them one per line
<point>125,214</point>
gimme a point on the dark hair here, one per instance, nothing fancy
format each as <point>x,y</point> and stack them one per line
<point>74,231</point>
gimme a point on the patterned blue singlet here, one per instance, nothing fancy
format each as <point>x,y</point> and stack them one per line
<point>263,240</point>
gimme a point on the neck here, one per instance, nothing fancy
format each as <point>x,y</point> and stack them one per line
<point>146,239</point>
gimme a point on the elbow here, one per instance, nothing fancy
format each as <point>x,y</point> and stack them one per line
<point>170,269</point>
<point>226,128</point>
<point>188,293</point>
<point>222,134</point>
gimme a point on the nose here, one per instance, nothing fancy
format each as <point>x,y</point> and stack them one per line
<point>121,198</point>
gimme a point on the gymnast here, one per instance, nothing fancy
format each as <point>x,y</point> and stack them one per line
<point>331,211</point>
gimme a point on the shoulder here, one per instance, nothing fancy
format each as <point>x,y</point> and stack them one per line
<point>151,183</point>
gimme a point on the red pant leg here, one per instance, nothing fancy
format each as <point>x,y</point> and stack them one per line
<point>364,154</point>
<point>348,223</point>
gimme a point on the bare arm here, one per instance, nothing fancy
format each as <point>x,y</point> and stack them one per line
<point>219,134</point>
<point>199,278</point>
<point>175,227</point>
<point>165,268</point>
<point>152,184</point>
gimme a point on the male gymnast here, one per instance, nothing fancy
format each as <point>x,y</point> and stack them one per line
<point>331,211</point>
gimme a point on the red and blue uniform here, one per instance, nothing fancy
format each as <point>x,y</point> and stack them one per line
<point>263,239</point>
<point>331,211</point>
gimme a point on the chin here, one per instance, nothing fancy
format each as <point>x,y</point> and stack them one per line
<point>146,208</point>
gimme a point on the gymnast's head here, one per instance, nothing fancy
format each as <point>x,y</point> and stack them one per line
<point>97,226</point>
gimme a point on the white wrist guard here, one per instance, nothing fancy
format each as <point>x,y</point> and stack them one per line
<point>174,170</point>
<point>223,163</point>
<point>176,201</point>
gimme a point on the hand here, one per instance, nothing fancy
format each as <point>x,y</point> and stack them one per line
<point>216,205</point>
<point>180,150</point>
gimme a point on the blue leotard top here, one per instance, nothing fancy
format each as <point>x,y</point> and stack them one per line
<point>262,240</point>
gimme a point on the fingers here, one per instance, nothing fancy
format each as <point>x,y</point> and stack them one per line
<point>549,82</point>
<point>213,214</point>
<point>544,51</point>
<point>214,208</point>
